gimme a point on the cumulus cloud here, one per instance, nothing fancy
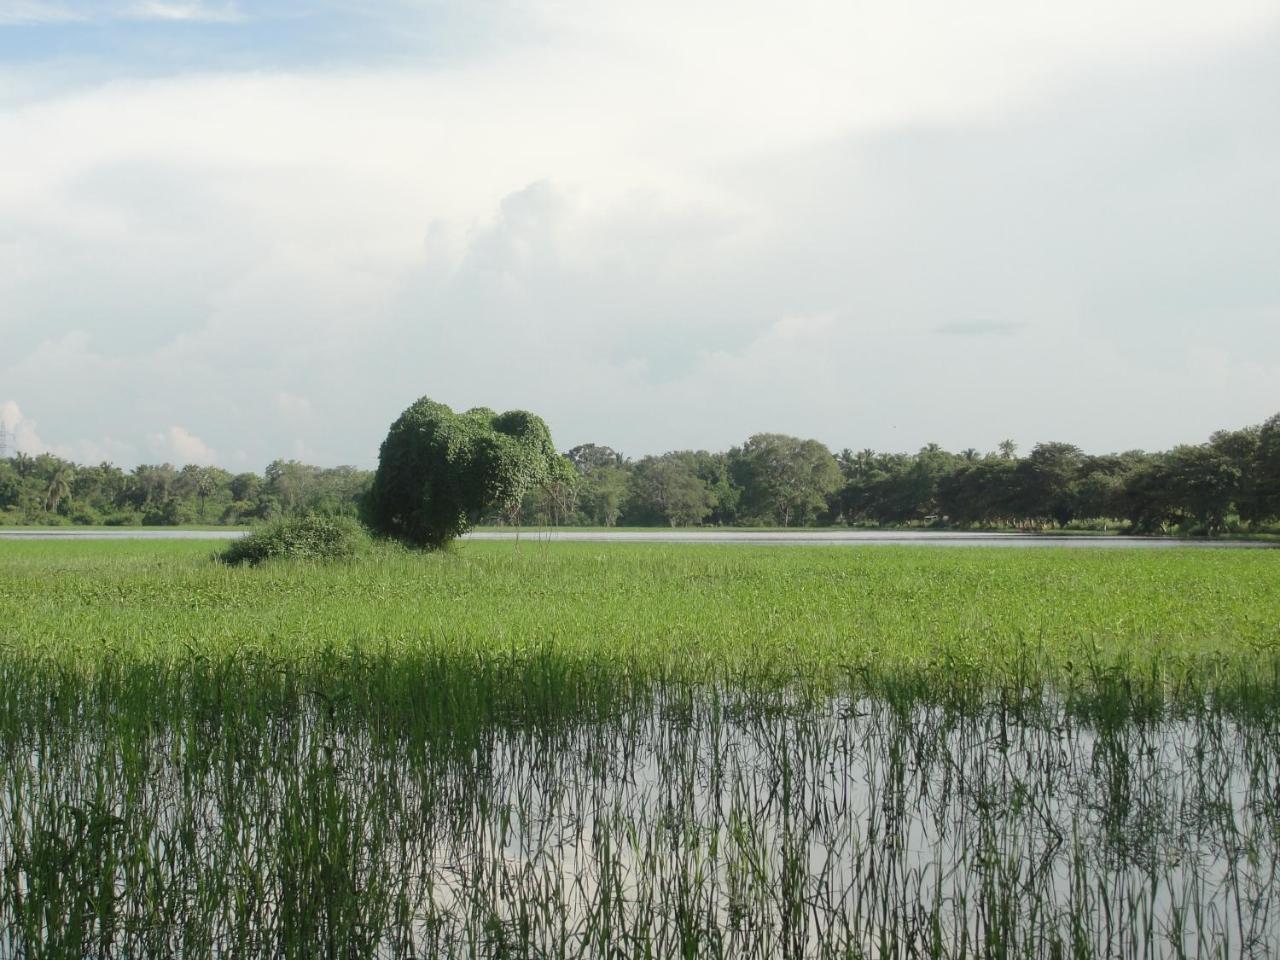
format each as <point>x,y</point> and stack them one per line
<point>179,445</point>
<point>22,431</point>
<point>871,223</point>
<point>23,437</point>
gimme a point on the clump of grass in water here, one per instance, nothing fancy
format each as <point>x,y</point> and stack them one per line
<point>312,537</point>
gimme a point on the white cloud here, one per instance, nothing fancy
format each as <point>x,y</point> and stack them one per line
<point>612,224</point>
<point>22,430</point>
<point>180,446</point>
<point>189,10</point>
<point>23,437</point>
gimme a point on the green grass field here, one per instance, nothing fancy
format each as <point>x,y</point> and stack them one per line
<point>639,750</point>
<point>1198,621</point>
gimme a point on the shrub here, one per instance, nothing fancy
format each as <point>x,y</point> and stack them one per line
<point>315,538</point>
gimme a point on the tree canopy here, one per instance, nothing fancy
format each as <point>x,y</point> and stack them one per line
<point>440,471</point>
<point>788,480</point>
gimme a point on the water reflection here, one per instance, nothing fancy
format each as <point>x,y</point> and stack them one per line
<point>694,823</point>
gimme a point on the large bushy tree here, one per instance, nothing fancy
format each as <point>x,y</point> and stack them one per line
<point>667,489</point>
<point>603,495</point>
<point>786,480</point>
<point>1047,482</point>
<point>439,471</point>
<point>979,491</point>
<point>1266,469</point>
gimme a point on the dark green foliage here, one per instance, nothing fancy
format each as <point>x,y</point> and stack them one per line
<point>439,472</point>
<point>979,491</point>
<point>668,489</point>
<point>312,537</point>
<point>589,457</point>
<point>1266,468</point>
<point>171,512</point>
<point>48,490</point>
<point>602,494</point>
<point>1229,484</point>
<point>787,479</point>
<point>1047,482</point>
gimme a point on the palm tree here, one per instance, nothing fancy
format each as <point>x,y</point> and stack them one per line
<point>23,463</point>
<point>59,488</point>
<point>205,486</point>
<point>864,459</point>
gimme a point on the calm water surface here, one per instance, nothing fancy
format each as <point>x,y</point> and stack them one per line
<point>690,823</point>
<point>828,538</point>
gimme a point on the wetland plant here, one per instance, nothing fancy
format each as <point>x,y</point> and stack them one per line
<point>638,753</point>
<point>236,809</point>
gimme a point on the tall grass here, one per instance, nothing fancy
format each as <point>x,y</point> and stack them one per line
<point>1168,624</point>
<point>656,751</point>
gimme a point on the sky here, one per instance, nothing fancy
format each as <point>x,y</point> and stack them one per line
<point>233,231</point>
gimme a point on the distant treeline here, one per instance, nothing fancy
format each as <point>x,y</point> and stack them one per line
<point>45,489</point>
<point>1230,482</point>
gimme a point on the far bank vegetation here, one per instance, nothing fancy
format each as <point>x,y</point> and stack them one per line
<point>1228,483</point>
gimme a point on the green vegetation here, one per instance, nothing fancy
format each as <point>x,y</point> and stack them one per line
<point>637,751</point>
<point>310,537</point>
<point>46,490</point>
<point>858,620</point>
<point>1228,485</point>
<point>440,472</point>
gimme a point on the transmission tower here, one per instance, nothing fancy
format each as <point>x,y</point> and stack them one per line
<point>6,442</point>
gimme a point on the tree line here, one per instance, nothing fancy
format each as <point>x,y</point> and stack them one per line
<point>1229,482</point>
<point>46,489</point>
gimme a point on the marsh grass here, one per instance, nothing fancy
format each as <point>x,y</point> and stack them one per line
<point>570,750</point>
<point>1124,626</point>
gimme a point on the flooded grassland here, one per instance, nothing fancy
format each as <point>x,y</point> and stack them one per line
<point>580,750</point>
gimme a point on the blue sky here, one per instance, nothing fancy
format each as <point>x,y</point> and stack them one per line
<point>103,40</point>
<point>236,231</point>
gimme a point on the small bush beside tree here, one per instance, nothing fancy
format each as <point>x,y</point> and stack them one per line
<point>311,537</point>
